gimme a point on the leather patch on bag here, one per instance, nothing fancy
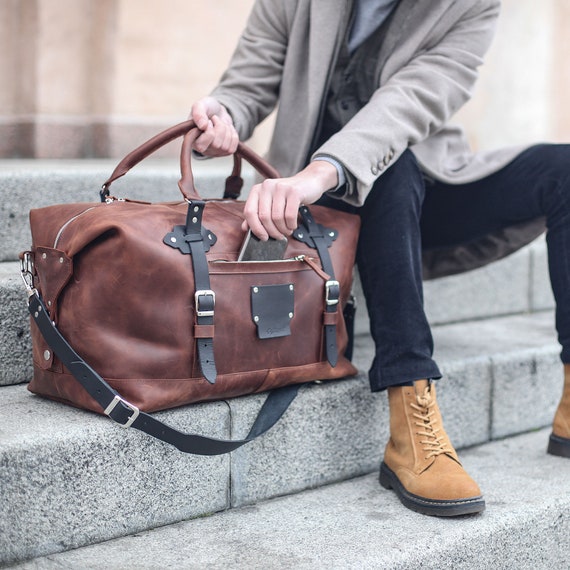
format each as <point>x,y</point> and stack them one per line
<point>272,308</point>
<point>54,270</point>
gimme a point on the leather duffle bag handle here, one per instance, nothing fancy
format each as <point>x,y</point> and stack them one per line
<point>186,184</point>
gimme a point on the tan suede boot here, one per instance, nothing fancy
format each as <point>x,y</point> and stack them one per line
<point>559,443</point>
<point>420,464</point>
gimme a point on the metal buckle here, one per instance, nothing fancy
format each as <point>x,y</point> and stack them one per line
<point>26,272</point>
<point>332,292</point>
<point>204,293</point>
<point>113,405</point>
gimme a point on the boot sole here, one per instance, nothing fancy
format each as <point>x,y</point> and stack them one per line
<point>559,446</point>
<point>432,507</point>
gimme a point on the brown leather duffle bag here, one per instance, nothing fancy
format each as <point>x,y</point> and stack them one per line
<point>138,307</point>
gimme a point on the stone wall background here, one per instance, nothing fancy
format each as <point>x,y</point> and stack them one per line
<point>94,78</point>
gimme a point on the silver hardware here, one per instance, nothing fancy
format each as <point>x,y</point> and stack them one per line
<point>291,287</point>
<point>331,234</point>
<point>113,405</point>
<point>256,289</point>
<point>112,199</point>
<point>26,266</point>
<point>256,319</point>
<point>328,286</point>
<point>36,314</point>
<point>290,315</point>
<point>61,260</point>
<point>194,219</point>
<point>196,209</point>
<point>173,239</point>
<point>47,354</point>
<point>49,303</point>
<point>300,236</point>
<point>204,293</point>
<point>44,255</point>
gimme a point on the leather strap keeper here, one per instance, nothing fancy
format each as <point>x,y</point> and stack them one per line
<point>203,331</point>
<point>329,318</point>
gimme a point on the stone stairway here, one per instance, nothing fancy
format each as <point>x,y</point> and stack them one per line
<point>70,479</point>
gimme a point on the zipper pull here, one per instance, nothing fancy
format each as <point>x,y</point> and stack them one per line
<point>313,266</point>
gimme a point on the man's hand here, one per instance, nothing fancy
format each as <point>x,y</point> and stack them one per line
<point>219,137</point>
<point>272,207</point>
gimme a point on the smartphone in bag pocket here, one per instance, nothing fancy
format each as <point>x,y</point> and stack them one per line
<point>254,249</point>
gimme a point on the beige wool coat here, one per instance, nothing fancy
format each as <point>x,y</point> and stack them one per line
<point>426,69</point>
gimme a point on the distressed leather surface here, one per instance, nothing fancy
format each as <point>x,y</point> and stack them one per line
<point>125,301</point>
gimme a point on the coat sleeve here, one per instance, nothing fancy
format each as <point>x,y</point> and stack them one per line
<point>249,88</point>
<point>414,102</point>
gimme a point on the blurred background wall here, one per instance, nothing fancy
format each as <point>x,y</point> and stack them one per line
<point>94,78</point>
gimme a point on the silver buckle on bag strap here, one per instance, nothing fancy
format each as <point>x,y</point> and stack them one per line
<point>114,402</point>
<point>332,292</point>
<point>27,272</point>
<point>197,302</point>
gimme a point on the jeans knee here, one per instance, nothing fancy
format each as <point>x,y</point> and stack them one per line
<point>556,180</point>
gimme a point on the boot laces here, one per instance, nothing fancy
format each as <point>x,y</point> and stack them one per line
<point>433,443</point>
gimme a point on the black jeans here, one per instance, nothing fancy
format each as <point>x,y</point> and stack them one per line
<point>403,214</point>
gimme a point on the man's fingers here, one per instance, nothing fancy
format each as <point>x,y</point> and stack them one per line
<point>283,201</point>
<point>205,140</point>
<point>225,136</point>
<point>272,209</point>
<point>258,211</point>
<point>292,214</point>
<point>269,203</point>
<point>251,214</point>
<point>199,115</point>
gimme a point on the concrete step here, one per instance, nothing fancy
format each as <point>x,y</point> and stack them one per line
<point>358,525</point>
<point>69,478</point>
<point>517,284</point>
<point>15,340</point>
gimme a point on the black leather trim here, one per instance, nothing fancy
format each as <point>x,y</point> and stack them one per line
<point>321,238</point>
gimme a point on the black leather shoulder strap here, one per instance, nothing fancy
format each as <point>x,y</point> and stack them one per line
<point>127,415</point>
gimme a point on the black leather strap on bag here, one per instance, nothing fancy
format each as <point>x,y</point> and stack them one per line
<point>313,234</point>
<point>127,415</point>
<point>204,297</point>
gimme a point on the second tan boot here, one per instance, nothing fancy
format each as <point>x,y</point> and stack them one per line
<point>559,443</point>
<point>420,464</point>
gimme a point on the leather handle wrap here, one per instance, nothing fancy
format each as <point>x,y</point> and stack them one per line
<point>158,141</point>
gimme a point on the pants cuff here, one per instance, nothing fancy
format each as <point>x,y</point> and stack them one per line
<point>381,379</point>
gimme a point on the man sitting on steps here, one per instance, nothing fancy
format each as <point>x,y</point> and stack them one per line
<point>365,91</point>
